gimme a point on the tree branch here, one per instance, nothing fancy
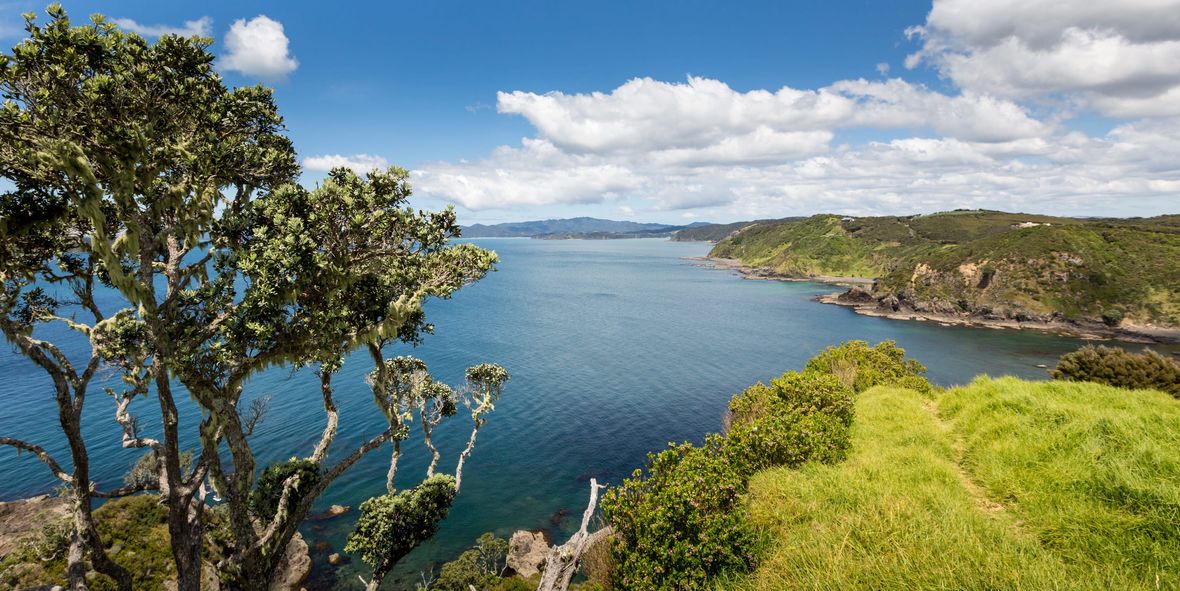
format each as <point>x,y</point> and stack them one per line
<point>41,454</point>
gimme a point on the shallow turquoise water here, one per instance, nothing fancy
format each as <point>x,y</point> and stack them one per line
<point>615,349</point>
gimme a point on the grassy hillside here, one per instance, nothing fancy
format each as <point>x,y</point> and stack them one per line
<point>1002,484</point>
<point>992,264</point>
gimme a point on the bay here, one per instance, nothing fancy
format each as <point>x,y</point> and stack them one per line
<point>616,348</point>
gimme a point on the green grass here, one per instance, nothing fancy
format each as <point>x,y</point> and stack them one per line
<point>1002,484</point>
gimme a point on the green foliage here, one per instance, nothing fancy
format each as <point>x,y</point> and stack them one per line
<point>492,553</point>
<point>393,524</point>
<point>801,417</point>
<point>1118,367</point>
<point>986,262</point>
<point>264,500</point>
<point>134,531</point>
<point>682,523</point>
<point>860,366</point>
<point>481,567</point>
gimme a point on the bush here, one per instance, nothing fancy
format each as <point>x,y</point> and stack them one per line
<point>682,523</point>
<point>1120,368</point>
<point>391,525</point>
<point>860,366</point>
<point>481,566</point>
<point>793,392</point>
<point>786,440</point>
<point>264,500</point>
<point>466,570</point>
<point>798,418</point>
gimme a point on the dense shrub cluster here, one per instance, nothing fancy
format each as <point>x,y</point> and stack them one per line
<point>861,366</point>
<point>798,418</point>
<point>1120,368</point>
<point>264,500</point>
<point>482,567</point>
<point>682,522</point>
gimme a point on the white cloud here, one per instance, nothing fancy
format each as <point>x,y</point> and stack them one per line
<point>999,138</point>
<point>1133,170</point>
<point>707,115</point>
<point>202,27</point>
<point>537,173</point>
<point>1119,58</point>
<point>360,163</point>
<point>258,47</point>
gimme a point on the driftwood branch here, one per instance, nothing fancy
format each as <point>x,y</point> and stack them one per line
<point>563,560</point>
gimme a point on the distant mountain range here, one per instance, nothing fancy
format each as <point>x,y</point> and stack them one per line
<point>580,227</point>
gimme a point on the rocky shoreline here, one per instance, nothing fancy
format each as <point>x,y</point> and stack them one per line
<point>865,303</point>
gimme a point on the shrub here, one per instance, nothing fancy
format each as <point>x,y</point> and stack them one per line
<point>681,523</point>
<point>1120,368</point>
<point>799,417</point>
<point>466,570</point>
<point>860,366</point>
<point>264,500</point>
<point>793,392</point>
<point>481,566</point>
<point>786,440</point>
<point>393,524</point>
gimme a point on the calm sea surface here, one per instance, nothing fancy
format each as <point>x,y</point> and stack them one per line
<point>615,349</point>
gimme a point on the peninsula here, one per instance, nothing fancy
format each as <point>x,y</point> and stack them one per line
<point>1108,277</point>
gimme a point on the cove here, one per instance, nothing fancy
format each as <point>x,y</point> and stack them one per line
<point>615,347</point>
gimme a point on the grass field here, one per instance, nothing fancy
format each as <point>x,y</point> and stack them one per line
<point>1002,484</point>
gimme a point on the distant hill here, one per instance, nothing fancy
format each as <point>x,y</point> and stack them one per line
<point>985,264</point>
<point>563,227</point>
<point>718,232</point>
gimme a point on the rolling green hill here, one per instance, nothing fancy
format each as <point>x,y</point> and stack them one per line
<point>1001,484</point>
<point>992,265</point>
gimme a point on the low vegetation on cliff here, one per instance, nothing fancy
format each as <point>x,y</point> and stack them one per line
<point>856,473</point>
<point>989,264</point>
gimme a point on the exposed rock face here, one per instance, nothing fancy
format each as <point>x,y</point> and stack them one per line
<point>527,552</point>
<point>857,296</point>
<point>294,568</point>
<point>24,518</point>
<point>335,559</point>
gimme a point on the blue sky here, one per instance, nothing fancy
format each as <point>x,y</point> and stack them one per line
<point>416,84</point>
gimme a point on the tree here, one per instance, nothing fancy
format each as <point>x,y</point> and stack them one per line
<point>136,169</point>
<point>113,144</point>
<point>393,524</point>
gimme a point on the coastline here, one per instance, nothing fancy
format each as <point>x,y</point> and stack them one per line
<point>766,274</point>
<point>867,306</point>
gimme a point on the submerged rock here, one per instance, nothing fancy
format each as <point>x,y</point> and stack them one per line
<point>331,513</point>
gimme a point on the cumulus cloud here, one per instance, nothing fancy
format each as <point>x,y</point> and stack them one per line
<point>999,137</point>
<point>258,47</point>
<point>360,163</point>
<point>1119,58</point>
<point>202,27</point>
<point>702,114</point>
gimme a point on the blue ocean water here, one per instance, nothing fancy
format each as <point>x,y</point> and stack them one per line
<point>615,349</point>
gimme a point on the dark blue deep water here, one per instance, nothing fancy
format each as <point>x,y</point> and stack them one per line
<point>615,349</point>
